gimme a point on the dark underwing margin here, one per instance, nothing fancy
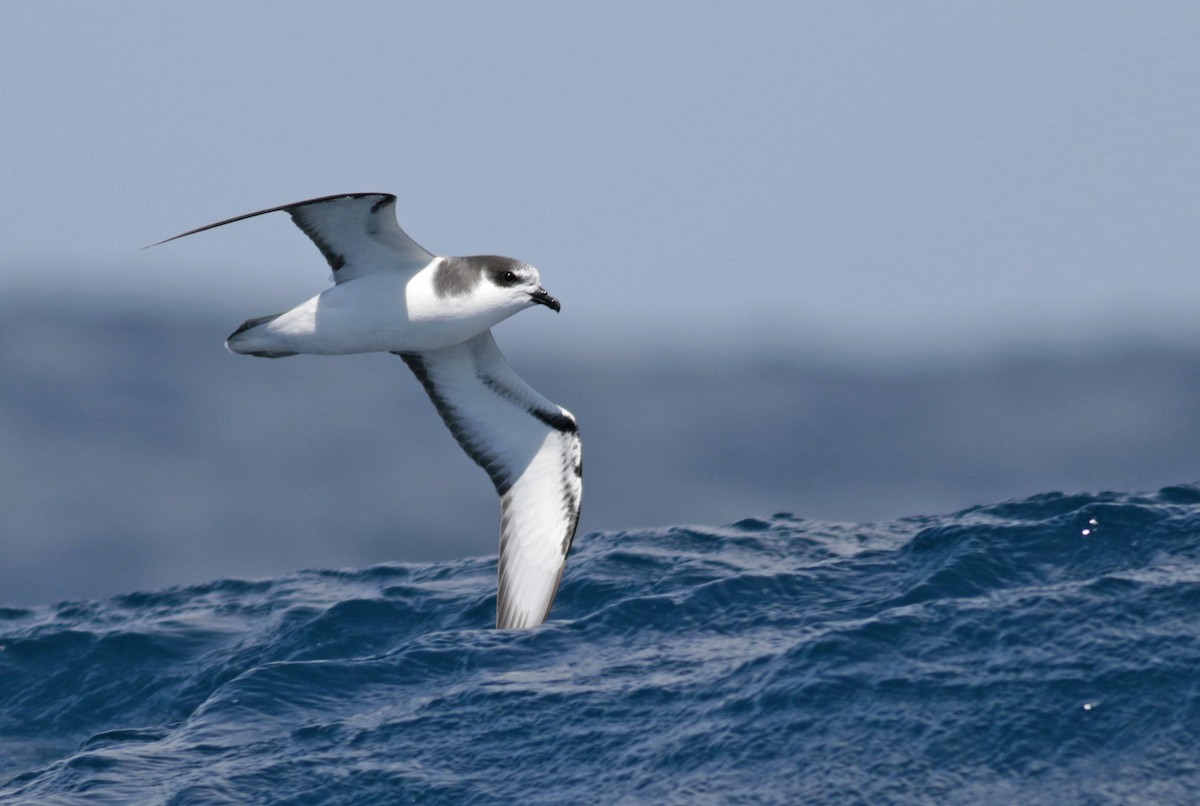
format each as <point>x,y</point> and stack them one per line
<point>551,417</point>
<point>497,472</point>
<point>335,260</point>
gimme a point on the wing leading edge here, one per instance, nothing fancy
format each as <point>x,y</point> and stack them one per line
<point>357,233</point>
<point>530,449</point>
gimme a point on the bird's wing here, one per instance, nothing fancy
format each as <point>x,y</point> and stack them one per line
<point>356,232</point>
<point>530,448</point>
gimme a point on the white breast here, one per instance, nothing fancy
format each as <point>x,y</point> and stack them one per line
<point>377,313</point>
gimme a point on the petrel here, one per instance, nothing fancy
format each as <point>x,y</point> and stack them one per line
<point>436,313</point>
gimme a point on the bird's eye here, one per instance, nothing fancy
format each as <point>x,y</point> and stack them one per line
<point>508,278</point>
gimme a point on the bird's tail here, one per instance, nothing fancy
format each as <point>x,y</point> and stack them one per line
<point>244,340</point>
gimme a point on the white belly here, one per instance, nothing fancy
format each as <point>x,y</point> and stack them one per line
<point>375,313</point>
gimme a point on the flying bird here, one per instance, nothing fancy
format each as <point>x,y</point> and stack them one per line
<point>436,313</point>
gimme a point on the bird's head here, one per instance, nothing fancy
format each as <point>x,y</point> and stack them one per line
<point>515,283</point>
<point>490,287</point>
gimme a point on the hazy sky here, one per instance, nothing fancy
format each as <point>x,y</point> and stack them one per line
<point>888,176</point>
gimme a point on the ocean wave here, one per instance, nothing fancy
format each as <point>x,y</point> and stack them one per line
<point>1035,651</point>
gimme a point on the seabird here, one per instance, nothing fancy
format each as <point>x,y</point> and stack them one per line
<point>436,313</point>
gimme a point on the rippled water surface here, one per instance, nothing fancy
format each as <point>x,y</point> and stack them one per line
<point>1034,651</point>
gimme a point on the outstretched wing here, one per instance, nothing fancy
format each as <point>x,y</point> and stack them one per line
<point>356,232</point>
<point>531,451</point>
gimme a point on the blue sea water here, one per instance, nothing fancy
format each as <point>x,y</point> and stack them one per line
<point>1036,651</point>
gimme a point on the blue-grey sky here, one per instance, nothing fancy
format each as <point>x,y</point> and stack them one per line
<point>883,177</point>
